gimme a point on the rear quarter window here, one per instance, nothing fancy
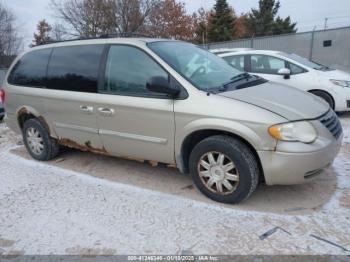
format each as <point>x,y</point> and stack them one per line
<point>30,70</point>
<point>75,68</point>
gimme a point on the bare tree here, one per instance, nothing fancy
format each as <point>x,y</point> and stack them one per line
<point>88,18</point>
<point>58,32</point>
<point>134,15</point>
<point>10,42</point>
<point>91,18</point>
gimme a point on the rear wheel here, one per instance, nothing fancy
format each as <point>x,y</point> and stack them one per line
<point>325,96</point>
<point>38,142</point>
<point>224,169</point>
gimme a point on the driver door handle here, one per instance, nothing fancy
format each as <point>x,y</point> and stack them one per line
<point>87,109</point>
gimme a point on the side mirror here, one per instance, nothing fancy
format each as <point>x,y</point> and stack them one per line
<point>160,84</point>
<point>285,72</point>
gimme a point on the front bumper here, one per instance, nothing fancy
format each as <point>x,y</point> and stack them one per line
<point>285,168</point>
<point>342,99</point>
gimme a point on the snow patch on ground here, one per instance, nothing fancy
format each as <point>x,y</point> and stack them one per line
<point>49,210</point>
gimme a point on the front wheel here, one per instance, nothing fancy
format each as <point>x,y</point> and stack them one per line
<point>224,169</point>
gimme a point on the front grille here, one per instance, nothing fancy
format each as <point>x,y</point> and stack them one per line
<point>331,122</point>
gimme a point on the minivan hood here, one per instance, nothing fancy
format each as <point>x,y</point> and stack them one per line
<point>288,102</point>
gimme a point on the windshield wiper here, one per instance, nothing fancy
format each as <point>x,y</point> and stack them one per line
<point>236,82</point>
<point>322,68</point>
<point>238,77</point>
<point>235,79</point>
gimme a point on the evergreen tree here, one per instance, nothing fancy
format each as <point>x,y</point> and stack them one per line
<point>263,21</point>
<point>222,23</point>
<point>284,26</point>
<point>43,35</point>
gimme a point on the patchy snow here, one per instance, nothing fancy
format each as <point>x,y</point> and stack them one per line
<point>47,209</point>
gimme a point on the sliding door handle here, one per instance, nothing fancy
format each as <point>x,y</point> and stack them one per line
<point>106,111</point>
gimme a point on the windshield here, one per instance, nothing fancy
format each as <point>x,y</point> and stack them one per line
<point>305,62</point>
<point>200,67</point>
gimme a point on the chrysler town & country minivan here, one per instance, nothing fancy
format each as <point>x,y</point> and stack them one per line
<point>171,102</point>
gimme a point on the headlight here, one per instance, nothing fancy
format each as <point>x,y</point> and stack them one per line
<point>302,131</point>
<point>342,83</point>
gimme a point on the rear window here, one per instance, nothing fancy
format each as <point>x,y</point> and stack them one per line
<point>75,68</point>
<point>30,70</point>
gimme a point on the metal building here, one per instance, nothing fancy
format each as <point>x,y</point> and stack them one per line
<point>330,47</point>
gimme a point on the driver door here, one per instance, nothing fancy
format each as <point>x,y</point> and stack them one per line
<point>133,121</point>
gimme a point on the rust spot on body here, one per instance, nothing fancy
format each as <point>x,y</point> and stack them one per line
<point>23,110</point>
<point>86,148</point>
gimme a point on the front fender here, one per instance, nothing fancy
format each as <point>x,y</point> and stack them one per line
<point>233,127</point>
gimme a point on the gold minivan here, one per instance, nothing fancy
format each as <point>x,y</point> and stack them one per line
<point>171,102</point>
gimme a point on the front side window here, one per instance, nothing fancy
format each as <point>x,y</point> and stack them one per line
<point>30,70</point>
<point>266,64</point>
<point>203,69</point>
<point>294,69</point>
<point>75,68</point>
<point>128,69</point>
<point>236,61</point>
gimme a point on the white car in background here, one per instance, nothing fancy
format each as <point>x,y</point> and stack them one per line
<point>293,70</point>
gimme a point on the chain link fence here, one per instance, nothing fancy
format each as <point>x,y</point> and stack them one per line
<point>330,47</point>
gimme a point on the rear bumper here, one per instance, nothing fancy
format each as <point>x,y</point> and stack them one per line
<point>282,168</point>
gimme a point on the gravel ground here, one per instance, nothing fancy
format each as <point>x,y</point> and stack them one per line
<point>84,204</point>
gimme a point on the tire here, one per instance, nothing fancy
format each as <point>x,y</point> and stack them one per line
<point>246,168</point>
<point>325,96</point>
<point>48,148</point>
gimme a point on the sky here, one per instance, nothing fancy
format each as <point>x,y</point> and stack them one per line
<point>307,13</point>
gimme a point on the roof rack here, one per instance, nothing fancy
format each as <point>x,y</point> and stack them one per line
<point>103,36</point>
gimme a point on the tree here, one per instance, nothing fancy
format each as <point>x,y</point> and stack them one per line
<point>170,20</point>
<point>242,30</point>
<point>93,18</point>
<point>284,26</point>
<point>133,15</point>
<point>200,23</point>
<point>58,32</point>
<point>43,35</point>
<point>10,42</point>
<point>263,21</point>
<point>222,22</point>
<point>86,18</point>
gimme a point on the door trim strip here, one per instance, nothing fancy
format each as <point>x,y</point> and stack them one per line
<point>79,128</point>
<point>150,139</point>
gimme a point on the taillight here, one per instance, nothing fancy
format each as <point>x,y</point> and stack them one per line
<point>2,95</point>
